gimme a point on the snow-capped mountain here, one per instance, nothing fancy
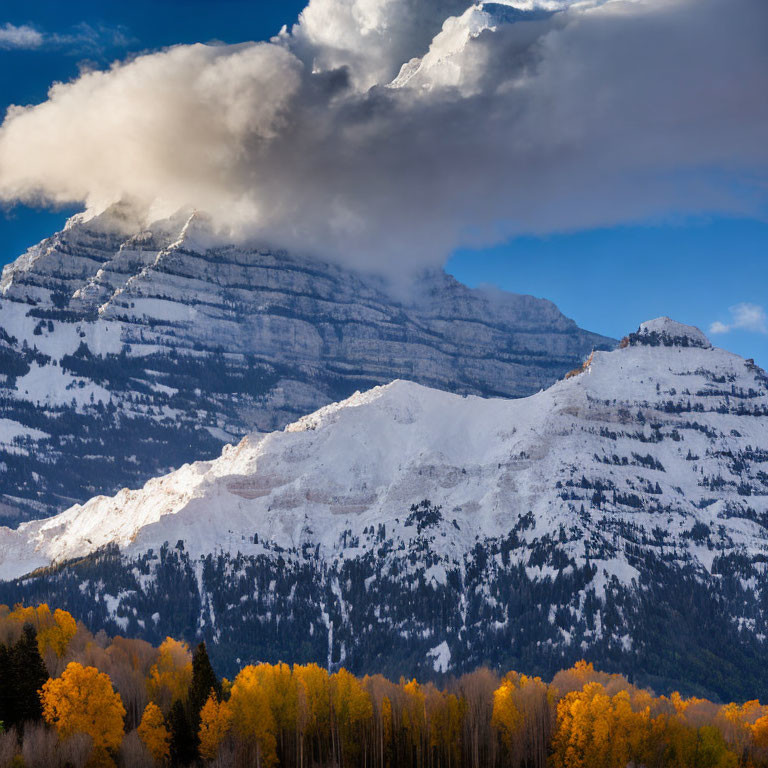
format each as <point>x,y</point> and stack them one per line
<point>125,352</point>
<point>621,514</point>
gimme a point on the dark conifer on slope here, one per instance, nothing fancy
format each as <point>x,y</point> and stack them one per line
<point>183,738</point>
<point>204,679</point>
<point>6,686</point>
<point>28,677</point>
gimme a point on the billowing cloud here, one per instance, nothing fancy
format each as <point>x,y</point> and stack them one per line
<point>23,36</point>
<point>372,38</point>
<point>386,133</point>
<point>744,317</point>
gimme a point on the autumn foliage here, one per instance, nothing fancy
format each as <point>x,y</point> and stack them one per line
<point>77,700</point>
<point>215,725</point>
<point>82,701</point>
<point>171,675</point>
<point>154,734</point>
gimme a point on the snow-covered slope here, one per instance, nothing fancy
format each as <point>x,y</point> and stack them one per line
<point>665,425</point>
<point>646,471</point>
<point>126,352</point>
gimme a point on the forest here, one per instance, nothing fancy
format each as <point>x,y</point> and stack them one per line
<point>72,699</point>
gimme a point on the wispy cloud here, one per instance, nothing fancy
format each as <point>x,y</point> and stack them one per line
<point>82,38</point>
<point>23,37</point>
<point>744,317</point>
<point>88,37</point>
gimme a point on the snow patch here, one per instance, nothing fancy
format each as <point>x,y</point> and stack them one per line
<point>441,657</point>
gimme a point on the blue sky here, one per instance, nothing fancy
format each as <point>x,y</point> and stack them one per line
<point>609,280</point>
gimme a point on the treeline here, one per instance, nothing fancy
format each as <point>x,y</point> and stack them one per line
<point>72,699</point>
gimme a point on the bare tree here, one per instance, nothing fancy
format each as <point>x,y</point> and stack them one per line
<point>226,755</point>
<point>9,747</point>
<point>39,747</point>
<point>133,753</point>
<point>76,750</point>
<point>476,688</point>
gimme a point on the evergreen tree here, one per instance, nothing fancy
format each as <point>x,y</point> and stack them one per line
<point>7,686</point>
<point>204,679</point>
<point>29,675</point>
<point>183,741</point>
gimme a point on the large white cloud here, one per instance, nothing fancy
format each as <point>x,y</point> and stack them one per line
<point>386,133</point>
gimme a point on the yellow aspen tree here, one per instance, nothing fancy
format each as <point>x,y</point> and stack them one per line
<point>712,750</point>
<point>154,733</point>
<point>252,717</point>
<point>170,676</point>
<point>281,689</point>
<point>597,726</point>
<point>386,719</point>
<point>60,629</point>
<point>737,723</point>
<point>435,716</point>
<point>565,728</point>
<point>506,718</point>
<point>595,730</point>
<point>39,617</point>
<point>577,743</point>
<point>316,684</point>
<point>734,727</point>
<point>351,707</point>
<point>536,703</point>
<point>627,731</point>
<point>760,732</point>
<point>414,717</point>
<point>443,725</point>
<point>54,630</point>
<point>302,717</point>
<point>215,724</point>
<point>82,701</point>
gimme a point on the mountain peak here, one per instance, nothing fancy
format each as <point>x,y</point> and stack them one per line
<point>663,331</point>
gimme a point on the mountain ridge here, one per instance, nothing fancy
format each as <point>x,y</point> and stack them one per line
<point>531,531</point>
<point>123,355</point>
<point>404,403</point>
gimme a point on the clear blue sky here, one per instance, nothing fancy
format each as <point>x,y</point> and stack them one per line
<point>607,280</point>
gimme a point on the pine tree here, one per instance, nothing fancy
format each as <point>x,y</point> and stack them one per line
<point>7,686</point>
<point>183,742</point>
<point>204,680</point>
<point>29,675</point>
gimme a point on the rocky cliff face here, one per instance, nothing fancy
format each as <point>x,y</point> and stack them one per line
<point>125,353</point>
<point>621,515</point>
